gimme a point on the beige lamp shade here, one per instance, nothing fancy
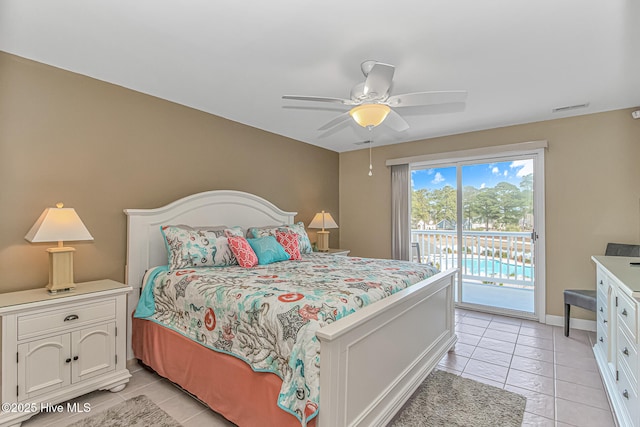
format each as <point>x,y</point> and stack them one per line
<point>369,115</point>
<point>57,225</point>
<point>323,220</point>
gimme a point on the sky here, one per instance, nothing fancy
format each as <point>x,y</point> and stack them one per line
<point>478,175</point>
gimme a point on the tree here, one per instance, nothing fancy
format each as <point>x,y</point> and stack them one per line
<point>420,206</point>
<point>484,206</point>
<point>526,188</point>
<point>444,204</point>
<point>509,203</point>
<point>469,194</point>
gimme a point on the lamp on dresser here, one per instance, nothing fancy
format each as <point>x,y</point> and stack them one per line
<point>323,220</point>
<point>57,225</point>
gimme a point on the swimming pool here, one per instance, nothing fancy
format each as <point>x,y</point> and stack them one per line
<point>493,268</point>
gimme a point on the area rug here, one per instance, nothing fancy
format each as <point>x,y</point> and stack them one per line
<point>138,411</point>
<point>445,399</point>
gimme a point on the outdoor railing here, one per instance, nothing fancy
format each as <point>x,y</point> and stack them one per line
<point>497,257</point>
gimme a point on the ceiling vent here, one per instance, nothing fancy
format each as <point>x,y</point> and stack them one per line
<point>569,107</point>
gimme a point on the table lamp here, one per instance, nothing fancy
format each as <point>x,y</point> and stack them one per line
<point>323,220</point>
<point>56,225</point>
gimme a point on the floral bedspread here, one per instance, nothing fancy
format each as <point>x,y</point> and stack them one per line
<point>268,315</point>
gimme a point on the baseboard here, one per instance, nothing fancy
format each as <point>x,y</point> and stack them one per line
<point>585,325</point>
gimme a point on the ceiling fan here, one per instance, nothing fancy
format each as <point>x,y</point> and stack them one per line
<point>371,102</point>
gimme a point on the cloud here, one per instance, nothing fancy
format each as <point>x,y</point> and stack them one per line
<point>506,173</point>
<point>438,178</point>
<point>495,170</point>
<point>430,171</point>
<point>483,185</point>
<point>525,167</point>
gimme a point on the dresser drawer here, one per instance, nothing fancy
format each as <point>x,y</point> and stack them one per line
<point>628,394</point>
<point>628,354</point>
<point>602,302</point>
<point>602,281</point>
<point>627,314</point>
<point>602,339</point>
<point>35,322</point>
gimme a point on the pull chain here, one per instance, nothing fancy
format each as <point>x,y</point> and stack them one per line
<point>370,144</point>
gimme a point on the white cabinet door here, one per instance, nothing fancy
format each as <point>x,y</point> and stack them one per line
<point>93,351</point>
<point>44,366</point>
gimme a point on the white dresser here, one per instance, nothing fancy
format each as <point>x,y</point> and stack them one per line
<point>616,349</point>
<point>57,347</point>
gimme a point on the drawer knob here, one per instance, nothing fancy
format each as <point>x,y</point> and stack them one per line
<point>68,360</point>
<point>601,339</point>
<point>624,311</point>
<point>605,321</point>
<point>625,393</point>
<point>601,310</point>
<point>71,317</point>
<point>75,357</point>
<point>601,282</point>
<point>625,351</point>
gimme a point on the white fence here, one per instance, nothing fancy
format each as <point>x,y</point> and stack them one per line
<point>502,258</point>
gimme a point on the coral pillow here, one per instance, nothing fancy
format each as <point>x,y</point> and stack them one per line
<point>242,250</point>
<point>289,242</point>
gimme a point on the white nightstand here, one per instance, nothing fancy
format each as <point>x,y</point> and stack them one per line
<point>343,252</point>
<point>57,347</point>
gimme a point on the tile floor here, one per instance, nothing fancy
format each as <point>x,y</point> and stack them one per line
<point>558,376</point>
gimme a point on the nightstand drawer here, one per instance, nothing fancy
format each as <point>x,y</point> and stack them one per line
<point>46,321</point>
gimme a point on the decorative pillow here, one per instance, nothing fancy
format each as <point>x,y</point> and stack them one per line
<point>234,231</point>
<point>289,242</point>
<point>303,238</point>
<point>268,250</point>
<point>189,247</point>
<point>255,232</point>
<point>298,228</point>
<point>242,251</point>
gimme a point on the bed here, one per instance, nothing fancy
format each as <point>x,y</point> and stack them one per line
<point>370,365</point>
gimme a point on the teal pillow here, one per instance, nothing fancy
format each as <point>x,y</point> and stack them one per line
<point>268,250</point>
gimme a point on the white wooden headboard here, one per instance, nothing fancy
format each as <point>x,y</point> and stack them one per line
<point>145,244</point>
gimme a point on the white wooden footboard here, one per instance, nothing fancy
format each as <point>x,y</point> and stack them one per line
<point>374,359</point>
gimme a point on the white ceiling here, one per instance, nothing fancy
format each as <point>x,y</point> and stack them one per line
<point>517,59</point>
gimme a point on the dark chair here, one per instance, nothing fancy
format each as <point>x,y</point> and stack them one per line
<point>415,252</point>
<point>587,299</point>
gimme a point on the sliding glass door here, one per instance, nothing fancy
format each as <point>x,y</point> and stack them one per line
<point>478,215</point>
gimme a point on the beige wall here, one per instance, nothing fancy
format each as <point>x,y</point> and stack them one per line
<point>592,172</point>
<point>101,148</point>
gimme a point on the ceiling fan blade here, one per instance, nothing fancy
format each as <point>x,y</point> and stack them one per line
<point>379,80</point>
<point>341,118</point>
<point>319,99</point>
<point>396,122</point>
<point>427,98</point>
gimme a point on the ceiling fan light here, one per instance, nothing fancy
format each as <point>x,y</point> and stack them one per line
<point>367,115</point>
